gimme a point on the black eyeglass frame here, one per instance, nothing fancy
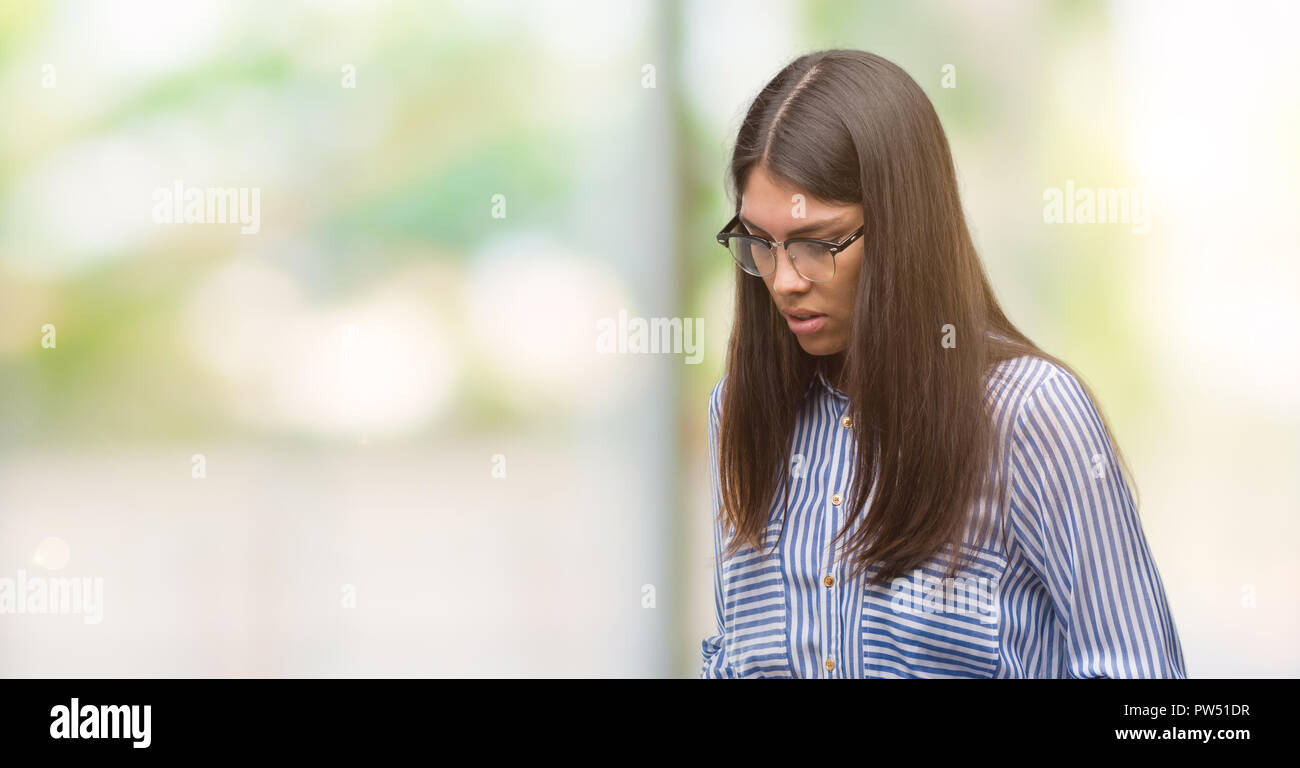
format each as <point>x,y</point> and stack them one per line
<point>725,235</point>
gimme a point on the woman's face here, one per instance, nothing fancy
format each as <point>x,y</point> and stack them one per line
<point>768,210</point>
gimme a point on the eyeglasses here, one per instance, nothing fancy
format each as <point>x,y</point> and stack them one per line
<point>812,258</point>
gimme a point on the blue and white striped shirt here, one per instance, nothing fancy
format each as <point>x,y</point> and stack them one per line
<point>1074,592</point>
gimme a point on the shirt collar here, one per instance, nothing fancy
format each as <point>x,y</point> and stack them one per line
<point>820,380</point>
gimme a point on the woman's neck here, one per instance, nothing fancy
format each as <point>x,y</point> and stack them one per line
<point>832,366</point>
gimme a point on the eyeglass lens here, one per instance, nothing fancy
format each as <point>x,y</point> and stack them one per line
<point>813,261</point>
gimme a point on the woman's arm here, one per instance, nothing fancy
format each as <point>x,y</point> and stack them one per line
<point>1075,518</point>
<point>713,647</point>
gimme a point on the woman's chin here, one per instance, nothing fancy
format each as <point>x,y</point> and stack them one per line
<point>819,347</point>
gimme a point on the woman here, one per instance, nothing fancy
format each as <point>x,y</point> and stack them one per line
<point>904,485</point>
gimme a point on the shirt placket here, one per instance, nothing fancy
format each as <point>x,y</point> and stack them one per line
<point>833,643</point>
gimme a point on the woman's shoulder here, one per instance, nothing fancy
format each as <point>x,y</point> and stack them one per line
<point>1023,373</point>
<point>716,394</point>
<point>715,401</point>
<point>1044,407</point>
<point>1013,383</point>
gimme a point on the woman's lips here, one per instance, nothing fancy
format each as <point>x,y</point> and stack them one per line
<point>813,324</point>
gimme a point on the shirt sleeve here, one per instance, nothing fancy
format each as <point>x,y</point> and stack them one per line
<point>713,647</point>
<point>1075,518</point>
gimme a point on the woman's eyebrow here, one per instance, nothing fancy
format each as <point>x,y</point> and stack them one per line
<point>804,231</point>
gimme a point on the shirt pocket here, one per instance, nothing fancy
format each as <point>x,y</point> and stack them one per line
<point>755,610</point>
<point>924,624</point>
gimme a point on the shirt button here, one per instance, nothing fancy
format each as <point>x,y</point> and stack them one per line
<point>835,499</point>
<point>830,581</point>
<point>847,421</point>
<point>830,664</point>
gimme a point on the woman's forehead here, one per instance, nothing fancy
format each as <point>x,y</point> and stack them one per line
<point>769,200</point>
<point>778,216</point>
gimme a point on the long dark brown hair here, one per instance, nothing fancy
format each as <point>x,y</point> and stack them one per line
<point>848,126</point>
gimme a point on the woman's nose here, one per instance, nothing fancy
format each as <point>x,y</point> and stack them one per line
<point>786,278</point>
